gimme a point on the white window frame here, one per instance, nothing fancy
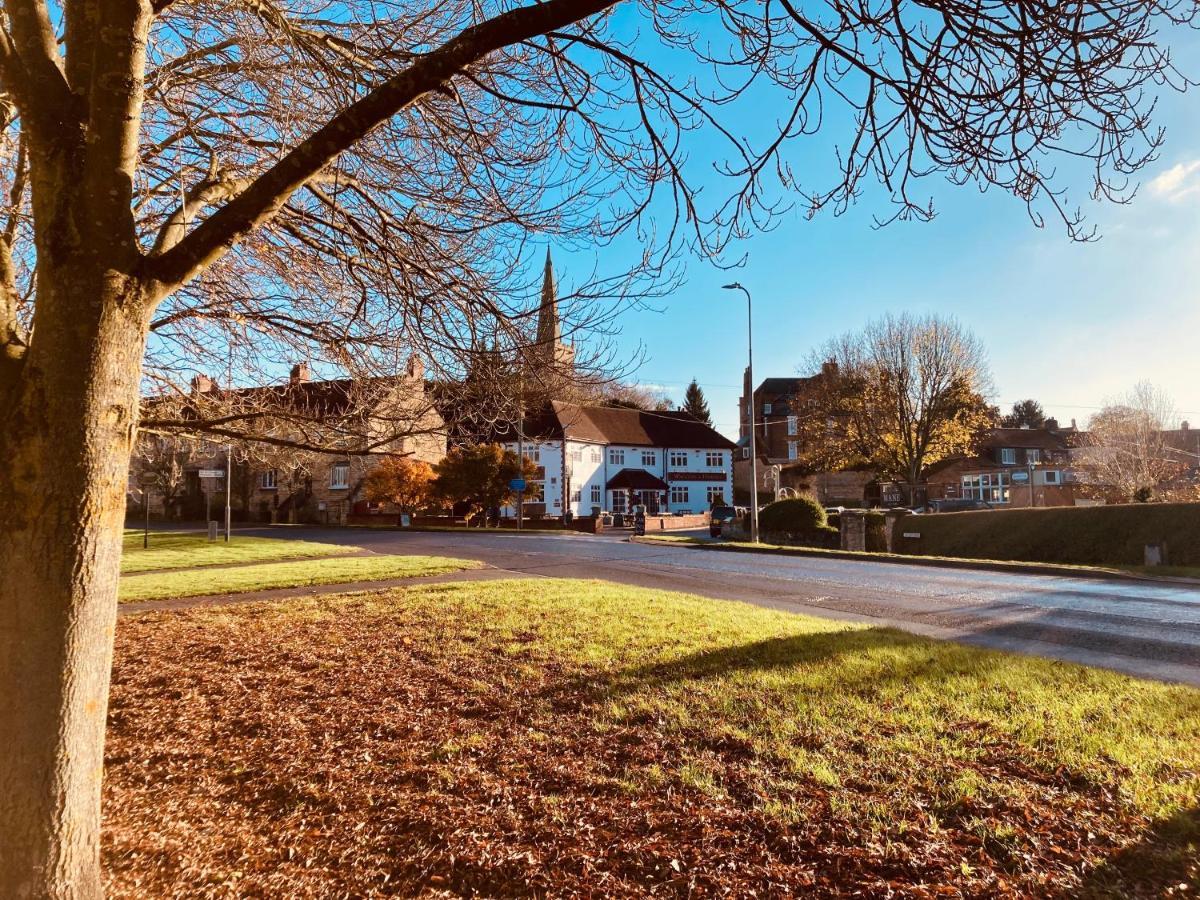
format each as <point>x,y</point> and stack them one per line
<point>597,455</point>
<point>793,449</point>
<point>768,408</point>
<point>990,487</point>
<point>714,492</point>
<point>678,459</point>
<point>1051,476</point>
<point>1008,456</point>
<point>714,459</point>
<point>618,501</point>
<point>1033,456</point>
<point>339,484</point>
<point>577,495</point>
<point>577,455</point>
<point>793,424</point>
<point>597,496</point>
<point>679,493</point>
<point>268,480</point>
<point>616,457</point>
<point>649,458</point>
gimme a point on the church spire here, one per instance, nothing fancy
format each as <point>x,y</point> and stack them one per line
<point>549,332</point>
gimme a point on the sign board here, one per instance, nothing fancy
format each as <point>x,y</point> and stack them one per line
<point>212,473</point>
<point>517,484</point>
<point>912,534</point>
<point>1020,476</point>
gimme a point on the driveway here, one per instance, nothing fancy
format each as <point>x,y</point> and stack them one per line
<point>1143,628</point>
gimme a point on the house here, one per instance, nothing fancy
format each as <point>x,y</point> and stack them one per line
<point>782,407</point>
<point>607,458</point>
<point>1012,467</point>
<point>329,434</point>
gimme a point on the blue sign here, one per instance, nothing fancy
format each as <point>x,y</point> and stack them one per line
<point>517,484</point>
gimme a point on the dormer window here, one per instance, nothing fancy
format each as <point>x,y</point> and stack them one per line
<point>1008,456</point>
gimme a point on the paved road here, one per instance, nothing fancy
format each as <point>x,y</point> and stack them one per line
<point>1144,628</point>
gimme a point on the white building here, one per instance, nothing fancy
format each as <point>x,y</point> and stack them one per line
<point>591,457</point>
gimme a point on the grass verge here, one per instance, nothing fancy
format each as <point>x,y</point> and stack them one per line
<point>544,737</point>
<point>196,583</point>
<point>181,550</point>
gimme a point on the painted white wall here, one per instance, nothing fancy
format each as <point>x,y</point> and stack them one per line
<point>590,466</point>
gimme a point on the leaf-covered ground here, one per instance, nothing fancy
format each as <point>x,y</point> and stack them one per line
<point>564,738</point>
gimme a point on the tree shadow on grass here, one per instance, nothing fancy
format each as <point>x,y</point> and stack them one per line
<point>877,659</point>
<point>1164,862</point>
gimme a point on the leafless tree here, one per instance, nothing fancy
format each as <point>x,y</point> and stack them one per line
<point>193,186</point>
<point>1128,450</point>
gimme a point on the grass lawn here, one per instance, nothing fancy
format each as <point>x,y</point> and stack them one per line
<point>553,738</point>
<point>179,550</point>
<point>195,583</point>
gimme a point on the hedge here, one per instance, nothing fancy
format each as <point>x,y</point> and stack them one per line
<point>1083,535</point>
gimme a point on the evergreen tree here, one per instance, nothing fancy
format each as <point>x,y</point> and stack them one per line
<point>694,403</point>
<point>1027,413</point>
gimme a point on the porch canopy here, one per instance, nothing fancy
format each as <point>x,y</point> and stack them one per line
<point>636,480</point>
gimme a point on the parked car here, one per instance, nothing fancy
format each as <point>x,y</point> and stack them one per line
<point>720,515</point>
<point>958,505</point>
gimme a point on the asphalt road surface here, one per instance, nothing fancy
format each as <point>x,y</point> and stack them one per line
<point>1145,628</point>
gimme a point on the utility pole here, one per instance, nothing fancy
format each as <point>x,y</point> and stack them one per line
<point>228,487</point>
<point>736,286</point>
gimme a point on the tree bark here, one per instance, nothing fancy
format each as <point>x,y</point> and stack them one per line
<point>69,422</point>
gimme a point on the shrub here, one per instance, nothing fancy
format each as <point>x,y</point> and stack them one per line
<point>1090,535</point>
<point>876,539</point>
<point>800,519</point>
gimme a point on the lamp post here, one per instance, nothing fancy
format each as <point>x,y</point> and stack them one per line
<point>736,286</point>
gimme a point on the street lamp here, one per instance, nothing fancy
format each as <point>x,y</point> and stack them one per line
<point>736,286</point>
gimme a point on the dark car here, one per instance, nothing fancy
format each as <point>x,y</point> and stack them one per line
<point>957,505</point>
<point>720,515</point>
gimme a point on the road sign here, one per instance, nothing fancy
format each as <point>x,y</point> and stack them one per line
<point>212,473</point>
<point>517,484</point>
<point>1020,476</point>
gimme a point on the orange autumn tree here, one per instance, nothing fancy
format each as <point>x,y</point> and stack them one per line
<point>408,483</point>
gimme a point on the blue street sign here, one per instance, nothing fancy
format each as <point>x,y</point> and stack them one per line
<point>517,484</point>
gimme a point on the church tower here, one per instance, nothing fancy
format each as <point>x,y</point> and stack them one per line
<point>549,346</point>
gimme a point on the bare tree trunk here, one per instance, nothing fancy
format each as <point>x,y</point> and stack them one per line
<point>69,421</point>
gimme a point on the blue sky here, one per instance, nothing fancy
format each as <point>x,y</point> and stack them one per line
<point>1066,323</point>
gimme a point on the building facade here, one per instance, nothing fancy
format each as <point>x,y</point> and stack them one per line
<point>597,458</point>
<point>1013,467</point>
<point>274,483</point>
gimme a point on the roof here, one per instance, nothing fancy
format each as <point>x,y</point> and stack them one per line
<point>1031,438</point>
<point>782,385</point>
<point>636,480</point>
<point>632,427</point>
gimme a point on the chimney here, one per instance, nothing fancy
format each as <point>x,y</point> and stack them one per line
<point>1052,424</point>
<point>415,368</point>
<point>202,384</point>
<point>829,368</point>
<point>299,373</point>
<point>1184,426</point>
<point>1074,427</point>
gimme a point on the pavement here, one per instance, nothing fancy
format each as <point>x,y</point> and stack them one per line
<point>1148,629</point>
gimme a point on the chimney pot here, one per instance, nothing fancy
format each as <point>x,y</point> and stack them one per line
<point>202,384</point>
